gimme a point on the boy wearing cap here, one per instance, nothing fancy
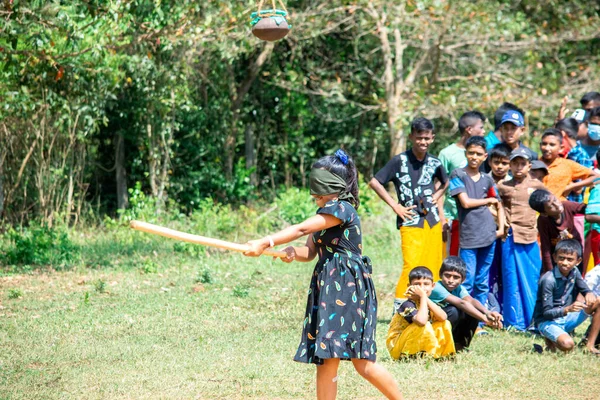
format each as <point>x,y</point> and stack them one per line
<point>582,117</point>
<point>512,127</point>
<point>495,137</point>
<point>520,251</point>
<point>538,170</point>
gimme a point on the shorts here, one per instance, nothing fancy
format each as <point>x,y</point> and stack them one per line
<point>559,326</point>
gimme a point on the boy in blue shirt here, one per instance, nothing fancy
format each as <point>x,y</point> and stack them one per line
<point>474,191</point>
<point>462,310</point>
<point>564,300</point>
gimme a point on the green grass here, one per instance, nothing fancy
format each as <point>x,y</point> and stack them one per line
<point>140,320</point>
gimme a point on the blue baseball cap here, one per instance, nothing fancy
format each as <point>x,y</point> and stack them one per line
<point>513,117</point>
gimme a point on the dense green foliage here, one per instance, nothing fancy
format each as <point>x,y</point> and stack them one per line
<point>180,97</point>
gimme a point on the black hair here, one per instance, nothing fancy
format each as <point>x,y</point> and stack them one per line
<point>598,157</point>
<point>454,264</point>
<point>502,110</point>
<point>569,125</point>
<point>568,246</point>
<point>553,132</point>
<point>346,171</point>
<point>421,124</point>
<point>470,118</point>
<point>500,150</point>
<point>538,198</point>
<point>589,97</point>
<point>594,112</point>
<point>420,273</point>
<point>476,141</point>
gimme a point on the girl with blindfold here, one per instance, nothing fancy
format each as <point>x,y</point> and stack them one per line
<point>341,311</point>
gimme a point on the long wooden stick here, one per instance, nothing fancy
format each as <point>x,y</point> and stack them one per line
<point>187,237</point>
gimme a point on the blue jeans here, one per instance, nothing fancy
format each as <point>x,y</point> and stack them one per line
<point>478,263</point>
<point>559,326</point>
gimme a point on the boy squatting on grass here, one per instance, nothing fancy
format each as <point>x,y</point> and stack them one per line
<point>564,300</point>
<point>462,310</point>
<point>420,326</point>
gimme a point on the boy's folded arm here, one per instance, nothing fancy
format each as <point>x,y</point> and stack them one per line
<point>438,313</point>
<point>422,316</point>
<point>466,306</point>
<point>467,202</point>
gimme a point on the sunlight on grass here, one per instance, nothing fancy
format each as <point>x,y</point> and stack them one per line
<point>216,325</point>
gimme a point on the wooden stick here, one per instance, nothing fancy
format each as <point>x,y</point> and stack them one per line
<point>187,237</point>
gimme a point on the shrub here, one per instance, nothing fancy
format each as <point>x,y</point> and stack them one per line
<point>40,246</point>
<point>204,276</point>
<point>295,205</point>
<point>241,290</point>
<point>149,267</point>
<point>100,286</point>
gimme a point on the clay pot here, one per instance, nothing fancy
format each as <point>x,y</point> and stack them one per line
<point>271,28</point>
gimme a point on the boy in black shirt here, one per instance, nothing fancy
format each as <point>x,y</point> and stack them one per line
<point>564,300</point>
<point>419,208</point>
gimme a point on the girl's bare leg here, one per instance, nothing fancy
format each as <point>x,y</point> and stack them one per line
<point>594,329</point>
<point>379,377</point>
<point>327,379</point>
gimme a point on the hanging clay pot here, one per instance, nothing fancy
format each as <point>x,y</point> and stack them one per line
<point>270,25</point>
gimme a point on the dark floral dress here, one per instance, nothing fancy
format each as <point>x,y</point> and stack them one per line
<point>341,313</point>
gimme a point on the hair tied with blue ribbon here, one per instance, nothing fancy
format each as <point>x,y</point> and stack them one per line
<point>341,154</point>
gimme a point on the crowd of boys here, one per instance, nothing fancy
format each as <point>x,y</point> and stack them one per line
<point>492,235</point>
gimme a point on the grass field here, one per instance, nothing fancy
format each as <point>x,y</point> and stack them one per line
<point>145,320</point>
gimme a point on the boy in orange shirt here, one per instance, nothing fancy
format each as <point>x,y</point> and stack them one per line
<point>562,172</point>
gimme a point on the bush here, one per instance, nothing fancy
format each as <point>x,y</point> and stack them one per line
<point>241,290</point>
<point>40,246</point>
<point>295,205</point>
<point>204,276</point>
<point>100,286</point>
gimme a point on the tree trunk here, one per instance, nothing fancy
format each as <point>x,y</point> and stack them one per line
<point>237,101</point>
<point>151,161</point>
<point>1,195</point>
<point>397,137</point>
<point>121,173</point>
<point>250,154</point>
